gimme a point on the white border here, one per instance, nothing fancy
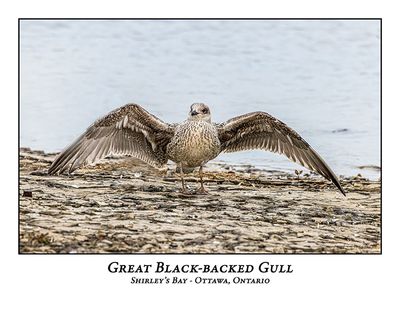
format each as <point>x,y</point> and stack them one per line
<point>83,281</point>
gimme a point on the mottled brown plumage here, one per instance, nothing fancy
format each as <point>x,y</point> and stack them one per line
<point>131,130</point>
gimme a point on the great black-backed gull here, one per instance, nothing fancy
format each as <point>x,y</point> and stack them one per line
<point>131,130</point>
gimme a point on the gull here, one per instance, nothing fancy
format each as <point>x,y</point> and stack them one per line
<point>132,131</point>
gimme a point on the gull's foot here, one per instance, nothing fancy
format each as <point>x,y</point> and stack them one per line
<point>185,191</point>
<point>201,190</point>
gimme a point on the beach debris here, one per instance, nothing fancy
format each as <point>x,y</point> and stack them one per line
<point>269,212</point>
<point>27,193</point>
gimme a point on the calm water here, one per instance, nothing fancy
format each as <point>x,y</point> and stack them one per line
<point>320,77</point>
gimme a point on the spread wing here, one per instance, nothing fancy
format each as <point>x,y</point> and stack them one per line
<point>128,130</point>
<point>260,130</point>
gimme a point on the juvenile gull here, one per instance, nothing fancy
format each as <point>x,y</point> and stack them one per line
<point>131,130</point>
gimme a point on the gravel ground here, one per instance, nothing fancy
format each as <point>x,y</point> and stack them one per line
<point>125,206</point>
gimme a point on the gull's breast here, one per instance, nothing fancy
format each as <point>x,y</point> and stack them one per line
<point>194,143</point>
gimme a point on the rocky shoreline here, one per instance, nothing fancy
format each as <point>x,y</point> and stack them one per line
<point>125,206</point>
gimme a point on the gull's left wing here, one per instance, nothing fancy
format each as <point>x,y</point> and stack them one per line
<point>260,130</point>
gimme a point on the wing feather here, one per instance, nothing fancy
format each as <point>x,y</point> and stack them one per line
<point>260,130</point>
<point>128,130</point>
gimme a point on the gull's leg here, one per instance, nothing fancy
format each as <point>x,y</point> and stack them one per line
<point>184,190</point>
<point>201,190</point>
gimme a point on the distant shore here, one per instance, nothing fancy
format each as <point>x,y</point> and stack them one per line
<point>127,206</point>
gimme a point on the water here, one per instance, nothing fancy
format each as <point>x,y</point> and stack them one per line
<point>320,77</point>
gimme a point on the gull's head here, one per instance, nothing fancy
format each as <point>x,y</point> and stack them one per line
<point>200,111</point>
